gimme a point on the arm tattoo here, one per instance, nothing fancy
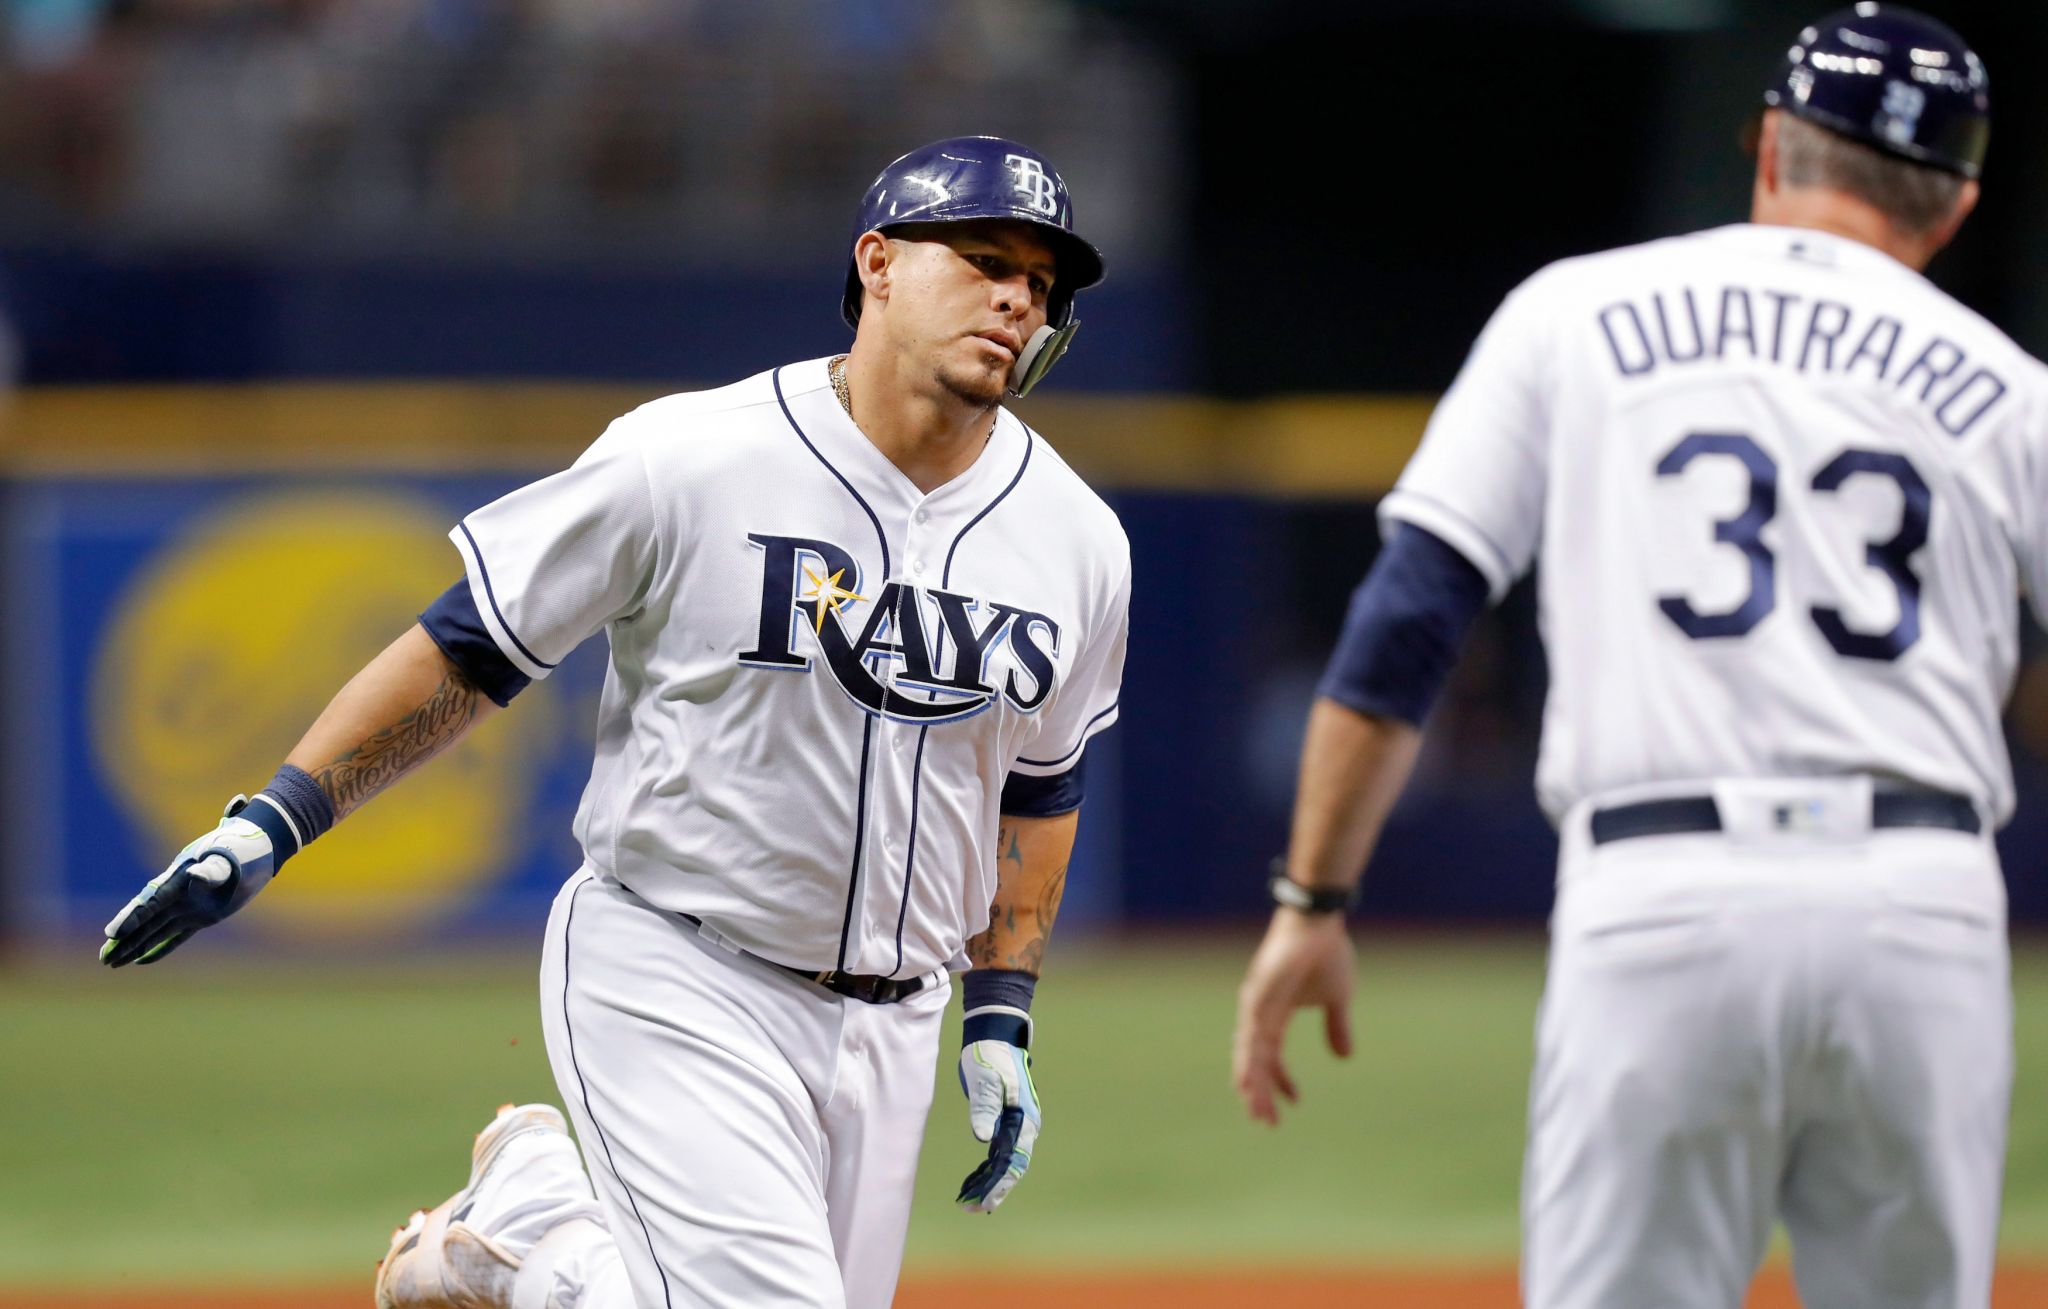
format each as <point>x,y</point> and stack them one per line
<point>1020,920</point>
<point>437,724</point>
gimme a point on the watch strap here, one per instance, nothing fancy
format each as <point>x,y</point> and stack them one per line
<point>1308,899</point>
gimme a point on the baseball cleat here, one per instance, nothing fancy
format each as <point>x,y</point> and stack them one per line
<point>437,1260</point>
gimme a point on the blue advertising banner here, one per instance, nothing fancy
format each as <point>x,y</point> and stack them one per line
<point>171,639</point>
<point>171,636</point>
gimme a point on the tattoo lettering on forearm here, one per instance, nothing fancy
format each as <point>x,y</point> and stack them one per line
<point>437,724</point>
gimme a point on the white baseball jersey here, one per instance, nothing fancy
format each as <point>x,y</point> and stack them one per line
<point>1785,492</point>
<point>820,677</point>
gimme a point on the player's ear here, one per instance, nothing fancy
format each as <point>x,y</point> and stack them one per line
<point>1966,200</point>
<point>871,264</point>
<point>1767,152</point>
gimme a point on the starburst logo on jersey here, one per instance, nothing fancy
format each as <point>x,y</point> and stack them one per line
<point>826,596</point>
<point>920,654</point>
<point>1035,184</point>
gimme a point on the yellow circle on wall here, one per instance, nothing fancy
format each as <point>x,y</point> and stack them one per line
<point>227,646</point>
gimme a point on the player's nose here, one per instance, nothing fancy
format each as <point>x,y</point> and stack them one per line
<point>1011,295</point>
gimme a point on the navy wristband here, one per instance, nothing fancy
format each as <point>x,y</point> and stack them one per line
<point>998,1005</point>
<point>292,811</point>
<point>1008,987</point>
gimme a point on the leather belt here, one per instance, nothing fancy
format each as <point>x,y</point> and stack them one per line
<point>868,988</point>
<point>1698,813</point>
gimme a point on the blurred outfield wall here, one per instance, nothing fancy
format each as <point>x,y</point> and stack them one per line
<point>191,572</point>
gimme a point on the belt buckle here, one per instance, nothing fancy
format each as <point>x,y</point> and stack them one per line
<point>864,988</point>
<point>851,985</point>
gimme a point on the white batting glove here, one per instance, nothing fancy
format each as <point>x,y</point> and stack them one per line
<point>1002,1105</point>
<point>210,879</point>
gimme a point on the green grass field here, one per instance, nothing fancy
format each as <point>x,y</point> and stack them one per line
<point>205,1123</point>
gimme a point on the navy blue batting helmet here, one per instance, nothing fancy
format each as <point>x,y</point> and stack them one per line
<point>1892,78</point>
<point>966,177</point>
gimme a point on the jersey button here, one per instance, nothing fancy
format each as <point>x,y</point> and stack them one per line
<point>917,566</point>
<point>924,515</point>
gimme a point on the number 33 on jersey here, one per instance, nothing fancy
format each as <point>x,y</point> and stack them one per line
<point>1770,440</point>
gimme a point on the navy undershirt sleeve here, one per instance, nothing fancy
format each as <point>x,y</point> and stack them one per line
<point>1025,796</point>
<point>1407,620</point>
<point>457,627</point>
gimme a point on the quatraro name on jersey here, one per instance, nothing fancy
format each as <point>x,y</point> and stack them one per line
<point>917,654</point>
<point>1670,329</point>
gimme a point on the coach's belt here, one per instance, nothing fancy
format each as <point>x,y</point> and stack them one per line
<point>1699,813</point>
<point>865,987</point>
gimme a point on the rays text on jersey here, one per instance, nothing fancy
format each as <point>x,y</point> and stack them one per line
<point>1688,328</point>
<point>946,643</point>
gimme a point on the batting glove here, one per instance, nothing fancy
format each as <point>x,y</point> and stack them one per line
<point>210,879</point>
<point>1002,1105</point>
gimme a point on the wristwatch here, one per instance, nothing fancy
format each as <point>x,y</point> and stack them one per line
<point>1307,899</point>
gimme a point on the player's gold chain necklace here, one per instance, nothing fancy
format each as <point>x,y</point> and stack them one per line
<point>837,369</point>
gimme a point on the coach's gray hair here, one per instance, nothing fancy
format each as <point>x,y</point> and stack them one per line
<point>1915,197</point>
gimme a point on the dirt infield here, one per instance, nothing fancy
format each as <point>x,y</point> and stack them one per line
<point>2017,1289</point>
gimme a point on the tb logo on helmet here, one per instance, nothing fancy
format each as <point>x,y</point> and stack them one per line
<point>1035,184</point>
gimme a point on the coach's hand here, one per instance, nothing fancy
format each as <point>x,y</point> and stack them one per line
<point>210,879</point>
<point>1305,961</point>
<point>1002,1105</point>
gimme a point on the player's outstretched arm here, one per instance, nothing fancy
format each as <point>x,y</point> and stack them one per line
<point>1353,766</point>
<point>995,1032</point>
<point>406,706</point>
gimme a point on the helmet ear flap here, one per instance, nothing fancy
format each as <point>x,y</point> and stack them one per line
<point>1039,354</point>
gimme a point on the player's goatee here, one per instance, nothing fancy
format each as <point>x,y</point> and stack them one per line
<point>982,389</point>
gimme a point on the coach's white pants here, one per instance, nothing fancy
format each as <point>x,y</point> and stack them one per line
<point>753,1138</point>
<point>1750,1025</point>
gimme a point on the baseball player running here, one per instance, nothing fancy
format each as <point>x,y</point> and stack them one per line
<point>1784,492</point>
<point>863,622</point>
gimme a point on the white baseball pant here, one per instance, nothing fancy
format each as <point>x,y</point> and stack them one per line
<point>753,1138</point>
<point>1760,1023</point>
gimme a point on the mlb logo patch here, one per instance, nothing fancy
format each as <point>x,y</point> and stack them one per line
<point>1799,816</point>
